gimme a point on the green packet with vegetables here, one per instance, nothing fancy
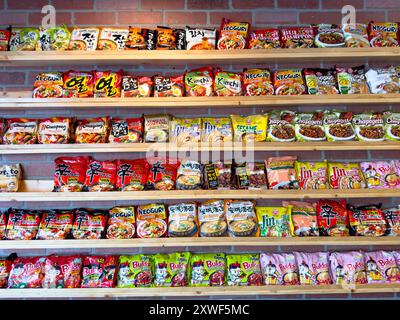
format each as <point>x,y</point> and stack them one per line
<point>24,39</point>
<point>135,271</point>
<point>391,125</point>
<point>207,269</point>
<point>243,270</point>
<point>55,38</point>
<point>171,270</point>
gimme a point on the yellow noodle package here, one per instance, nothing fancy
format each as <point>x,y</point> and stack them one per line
<point>185,131</point>
<point>249,129</point>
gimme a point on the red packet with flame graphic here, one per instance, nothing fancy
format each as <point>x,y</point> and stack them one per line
<point>99,272</point>
<point>78,84</point>
<point>107,84</point>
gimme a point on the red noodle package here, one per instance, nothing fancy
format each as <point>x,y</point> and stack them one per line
<point>101,176</point>
<point>348,268</point>
<point>107,84</point>
<point>136,86</point>
<point>383,34</point>
<point>89,223</point>
<point>121,223</point>
<point>132,174</point>
<point>78,84</point>
<point>5,267</point>
<point>55,225</point>
<point>233,35</point>
<point>367,220</point>
<point>169,86</point>
<point>3,224</point>
<point>55,130</point>
<point>162,175</point>
<point>126,130</point>
<point>381,267</point>
<point>26,273</point>
<point>313,268</point>
<point>332,218</point>
<point>264,39</point>
<point>62,272</point>
<point>70,173</point>
<point>99,272</point>
<point>22,224</point>
<point>279,269</point>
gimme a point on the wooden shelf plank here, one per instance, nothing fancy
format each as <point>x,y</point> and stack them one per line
<point>81,293</point>
<point>317,55</point>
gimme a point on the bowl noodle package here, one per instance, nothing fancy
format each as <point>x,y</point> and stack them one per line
<point>313,268</point>
<point>22,224</point>
<point>55,38</point>
<point>212,218</point>
<point>352,80</point>
<point>182,220</point>
<point>101,176</point>
<point>309,126</point>
<point>169,86</point>
<point>297,37</point>
<point>171,270</point>
<point>207,270</point>
<point>216,130</point>
<point>281,172</point>
<point>62,272</point>
<point>281,126</point>
<point>199,82</point>
<point>55,225</point>
<point>112,38</point>
<point>126,130</point>
<point>355,35</point>
<point>135,271</point>
<point>93,130</point>
<point>303,217</point>
<point>228,83</point>
<point>279,269</point>
<point>384,34</point>
<point>312,175</point>
<point>132,174</point>
<point>249,129</point>
<point>241,218</point>
<point>5,33</point>
<point>84,39</point>
<point>381,174</point>
<point>345,176</point>
<point>320,81</point>
<point>20,131</point>
<point>392,125</point>
<point>70,173</point>
<point>136,86</point>
<point>48,85</point>
<point>347,268</point>
<point>369,126</point>
<point>3,224</point>
<point>218,175</point>
<point>200,38</point>
<point>141,39</point>
<point>392,217</point>
<point>162,174</point>
<point>5,268</point>
<point>10,177</point>
<point>381,267</point>
<point>170,39</point>
<point>189,175</point>
<point>156,128</point>
<point>383,80</point>
<point>257,82</point>
<point>151,221</point>
<point>233,35</point>
<point>274,221</point>
<point>243,270</point>
<point>333,218</point>
<point>24,39</point>
<point>328,36</point>
<point>99,271</point>
<point>289,82</point>
<point>338,126</point>
<point>55,130</point>
<point>185,131</point>
<point>264,39</point>
<point>121,223</point>
<point>367,220</point>
<point>78,84</point>
<point>89,223</point>
<point>107,84</point>
<point>26,273</point>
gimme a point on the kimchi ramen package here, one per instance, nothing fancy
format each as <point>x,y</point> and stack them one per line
<point>171,270</point>
<point>156,128</point>
<point>297,37</point>
<point>385,34</point>
<point>352,80</point>
<point>381,174</point>
<point>347,268</point>
<point>55,130</point>
<point>70,173</point>
<point>312,175</point>
<point>392,125</point>
<point>121,223</point>
<point>184,131</point>
<point>207,270</point>
<point>392,217</point>
<point>281,126</point>
<point>216,130</point>
<point>10,177</point>
<point>93,130</point>
<point>233,35</point>
<point>135,271</point>
<point>320,81</point>
<point>55,225</point>
<point>199,82</point>
<point>20,131</point>
<point>170,39</point>
<point>182,220</point>
<point>101,176</point>
<point>381,267</point>
<point>309,126</point>
<point>136,86</point>
<point>345,176</point>
<point>338,126</point>
<point>313,268</point>
<point>5,268</point>
<point>24,39</point>
<point>84,39</point>
<point>383,80</point>
<point>328,36</point>
<point>274,221</point>
<point>289,82</point>
<point>112,38</point>
<point>107,84</point>
<point>151,221</point>
<point>257,82</point>
<point>249,129</point>
<point>303,217</point>
<point>264,39</point>
<point>48,85</point>
<point>99,271</point>
<point>281,173</point>
<point>169,86</point>
<point>243,270</point>
<point>279,269</point>
<point>126,130</point>
<point>369,126</point>
<point>200,38</point>
<point>27,273</point>
<point>89,223</point>
<point>212,218</point>
<point>78,84</point>
<point>355,35</point>
<point>55,38</point>
<point>241,218</point>
<point>332,217</point>
<point>62,272</point>
<point>132,174</point>
<point>22,224</point>
<point>367,220</point>
<point>227,83</point>
<point>141,39</point>
<point>163,173</point>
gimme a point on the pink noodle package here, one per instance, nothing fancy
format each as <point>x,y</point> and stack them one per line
<point>396,255</point>
<point>313,268</point>
<point>279,269</point>
<point>348,268</point>
<point>381,267</point>
<point>381,174</point>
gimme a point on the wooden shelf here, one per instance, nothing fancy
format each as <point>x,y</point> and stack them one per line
<point>317,55</point>
<point>10,102</point>
<point>231,291</point>
<point>165,147</point>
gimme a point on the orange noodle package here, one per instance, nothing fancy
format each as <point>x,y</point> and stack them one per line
<point>332,217</point>
<point>132,174</point>
<point>89,223</point>
<point>27,272</point>
<point>289,82</point>
<point>151,221</point>
<point>162,174</point>
<point>170,39</point>
<point>136,86</point>
<point>55,130</point>
<point>385,34</point>
<point>107,84</point>
<point>233,35</point>
<point>121,223</point>
<point>257,82</point>
<point>20,131</point>
<point>141,39</point>
<point>281,172</point>
<point>55,224</point>
<point>99,271</point>
<point>62,272</point>
<point>48,85</point>
<point>227,83</point>
<point>304,218</point>
<point>199,82</point>
<point>126,130</point>
<point>279,269</point>
<point>78,84</point>
<point>381,267</point>
<point>313,268</point>
<point>101,176</point>
<point>22,224</point>
<point>348,268</point>
<point>367,220</point>
<point>264,39</point>
<point>169,86</point>
<point>345,176</point>
<point>93,130</point>
<point>70,173</point>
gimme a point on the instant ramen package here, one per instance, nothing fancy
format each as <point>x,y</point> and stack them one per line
<point>151,221</point>
<point>132,174</point>
<point>48,85</point>
<point>26,273</point>
<point>5,267</point>
<point>241,218</point>
<point>163,173</point>
<point>55,224</point>
<point>55,130</point>
<point>392,125</point>
<point>171,270</point>
<point>112,38</point>
<point>338,126</point>
<point>381,267</point>
<point>89,223</point>
<point>218,175</point>
<point>274,221</point>
<point>93,130</point>
<point>383,80</point>
<point>392,217</point>
<point>279,269</point>
<point>320,81</point>
<point>251,176</point>
<point>135,271</point>
<point>70,173</point>
<point>169,86</point>
<point>303,217</point>
<point>22,224</point>
<point>369,126</point>
<point>84,39</point>
<point>367,220</point>
<point>62,272</point>
<point>199,82</point>
<point>10,177</point>
<point>384,34</point>
<point>332,217</point>
<point>297,37</point>
<point>381,174</point>
<point>243,270</point>
<point>78,84</point>
<point>352,80</point>
<point>249,129</point>
<point>24,39</point>
<point>55,38</point>
<point>5,33</point>
<point>207,269</point>
<point>126,130</point>
<point>328,36</point>
<point>107,84</point>
<point>20,131</point>
<point>347,268</point>
<point>99,271</point>
<point>289,82</point>
<point>345,176</point>
<point>3,224</point>
<point>281,126</point>
<point>309,126</point>
<point>216,130</point>
<point>281,172</point>
<point>313,268</point>
<point>312,175</point>
<point>200,38</point>
<point>184,131</point>
<point>136,86</point>
<point>233,35</point>
<point>182,220</point>
<point>170,39</point>
<point>141,39</point>
<point>121,223</point>
<point>227,83</point>
<point>212,218</point>
<point>156,128</point>
<point>101,176</point>
<point>189,175</point>
<point>257,82</point>
<point>355,35</point>
<point>264,39</point>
